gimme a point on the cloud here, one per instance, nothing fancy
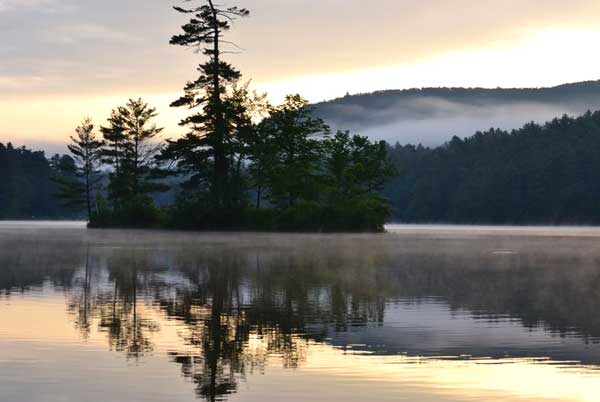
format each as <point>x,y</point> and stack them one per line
<point>68,49</point>
<point>81,33</point>
<point>40,6</point>
<point>85,46</point>
<point>282,39</point>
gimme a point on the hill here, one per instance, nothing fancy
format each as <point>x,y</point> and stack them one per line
<point>432,115</point>
<point>538,174</point>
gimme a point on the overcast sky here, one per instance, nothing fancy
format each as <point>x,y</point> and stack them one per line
<point>61,60</point>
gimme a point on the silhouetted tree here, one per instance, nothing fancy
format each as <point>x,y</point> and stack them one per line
<point>242,108</point>
<point>114,136</point>
<point>203,153</point>
<point>356,166</point>
<point>295,151</point>
<point>79,177</point>
<point>26,187</point>
<point>132,147</point>
<point>536,174</point>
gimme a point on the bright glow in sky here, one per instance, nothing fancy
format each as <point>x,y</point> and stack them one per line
<point>545,58</point>
<point>82,58</point>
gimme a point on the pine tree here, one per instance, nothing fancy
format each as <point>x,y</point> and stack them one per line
<point>132,146</point>
<point>79,187</point>
<point>202,154</point>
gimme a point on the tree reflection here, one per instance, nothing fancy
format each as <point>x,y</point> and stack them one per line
<point>122,316</point>
<point>113,302</point>
<point>218,328</point>
<point>237,307</point>
<point>244,309</point>
<point>80,304</point>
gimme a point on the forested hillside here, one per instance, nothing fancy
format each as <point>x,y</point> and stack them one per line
<point>432,115</point>
<point>538,174</point>
<point>26,188</point>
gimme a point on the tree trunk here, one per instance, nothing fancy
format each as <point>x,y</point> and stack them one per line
<point>88,196</point>
<point>220,171</point>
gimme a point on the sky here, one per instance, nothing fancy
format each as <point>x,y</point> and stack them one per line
<point>63,60</point>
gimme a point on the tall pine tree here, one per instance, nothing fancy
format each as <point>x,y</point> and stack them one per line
<point>203,153</point>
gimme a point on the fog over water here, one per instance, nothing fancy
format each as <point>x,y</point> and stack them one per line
<point>428,313</point>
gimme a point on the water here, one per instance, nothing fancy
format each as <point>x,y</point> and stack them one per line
<point>422,313</point>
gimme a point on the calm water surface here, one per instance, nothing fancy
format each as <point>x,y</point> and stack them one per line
<point>423,313</point>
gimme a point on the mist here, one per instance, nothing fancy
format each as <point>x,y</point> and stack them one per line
<point>432,121</point>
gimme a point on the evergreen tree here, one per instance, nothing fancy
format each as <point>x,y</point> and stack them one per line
<point>132,146</point>
<point>242,107</point>
<point>79,176</point>
<point>294,152</point>
<point>203,154</point>
<point>114,137</point>
<point>262,156</point>
<point>543,174</point>
<point>69,187</point>
<point>371,168</point>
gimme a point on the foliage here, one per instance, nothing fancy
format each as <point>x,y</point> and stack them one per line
<point>79,176</point>
<point>131,139</point>
<point>131,147</point>
<point>26,188</point>
<point>537,174</point>
<point>294,152</point>
<point>356,166</point>
<point>238,147</point>
<point>207,154</point>
<point>137,211</point>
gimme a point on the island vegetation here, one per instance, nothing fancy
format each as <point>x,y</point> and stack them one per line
<point>243,163</point>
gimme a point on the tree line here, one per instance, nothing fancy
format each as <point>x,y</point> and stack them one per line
<point>27,190</point>
<point>541,173</point>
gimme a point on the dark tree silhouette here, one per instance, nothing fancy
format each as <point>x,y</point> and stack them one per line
<point>27,190</point>
<point>537,174</point>
<point>296,151</point>
<point>203,152</point>
<point>132,147</point>
<point>81,186</point>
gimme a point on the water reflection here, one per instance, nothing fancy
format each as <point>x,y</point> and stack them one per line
<point>222,307</point>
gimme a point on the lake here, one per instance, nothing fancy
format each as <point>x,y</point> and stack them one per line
<point>421,313</point>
